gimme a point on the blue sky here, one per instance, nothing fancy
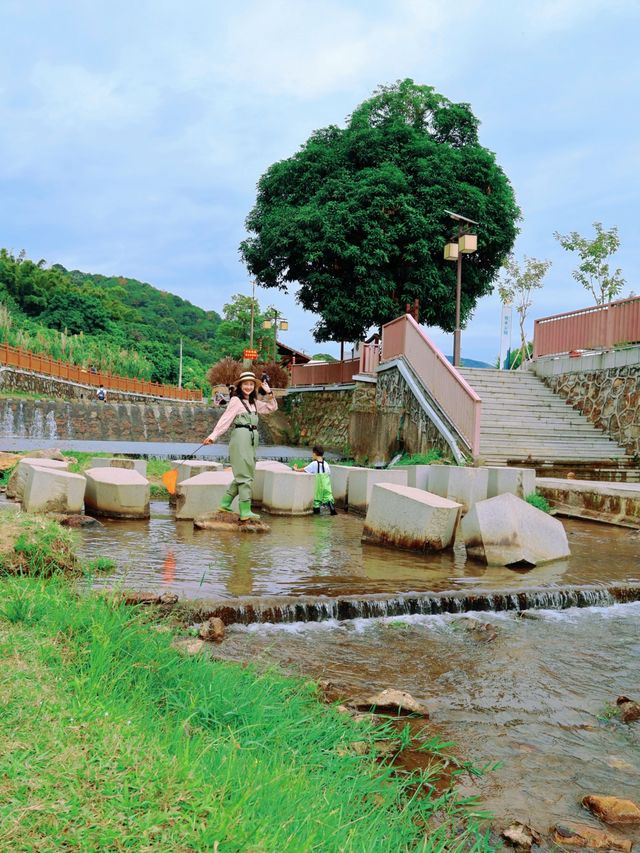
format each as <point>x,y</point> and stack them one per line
<point>133,134</point>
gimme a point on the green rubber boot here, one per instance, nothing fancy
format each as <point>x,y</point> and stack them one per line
<point>245,512</point>
<point>225,504</point>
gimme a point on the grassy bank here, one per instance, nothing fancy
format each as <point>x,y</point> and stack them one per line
<point>112,740</point>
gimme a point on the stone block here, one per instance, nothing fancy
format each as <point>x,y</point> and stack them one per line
<point>288,493</point>
<point>515,481</point>
<point>18,479</point>
<point>507,531</point>
<point>202,494</point>
<point>418,476</point>
<point>188,468</point>
<point>258,481</point>
<point>463,485</point>
<point>409,517</point>
<point>362,481</point>
<point>50,489</point>
<point>340,482</point>
<point>139,465</point>
<point>117,493</point>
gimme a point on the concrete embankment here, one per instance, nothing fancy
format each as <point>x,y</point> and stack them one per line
<point>613,503</point>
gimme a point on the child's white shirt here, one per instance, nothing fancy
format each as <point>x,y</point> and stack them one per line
<point>314,468</point>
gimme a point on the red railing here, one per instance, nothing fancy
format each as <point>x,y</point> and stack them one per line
<point>26,360</point>
<point>602,326</point>
<point>405,338</point>
<point>337,372</point>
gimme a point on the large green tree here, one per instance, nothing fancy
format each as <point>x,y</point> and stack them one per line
<point>357,218</point>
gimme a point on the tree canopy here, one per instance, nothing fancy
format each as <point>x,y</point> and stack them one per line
<point>357,217</point>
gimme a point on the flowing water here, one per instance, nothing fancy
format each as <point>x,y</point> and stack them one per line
<point>531,692</point>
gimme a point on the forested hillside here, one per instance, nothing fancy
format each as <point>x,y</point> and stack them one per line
<point>114,323</point>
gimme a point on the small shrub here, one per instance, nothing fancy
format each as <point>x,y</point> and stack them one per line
<point>538,502</point>
<point>158,492</point>
<point>100,565</point>
<point>224,372</point>
<point>278,375</point>
<point>428,458</point>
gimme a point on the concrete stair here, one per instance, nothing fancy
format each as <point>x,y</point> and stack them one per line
<point>523,418</point>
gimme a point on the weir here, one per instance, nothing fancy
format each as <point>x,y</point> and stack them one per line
<point>289,609</point>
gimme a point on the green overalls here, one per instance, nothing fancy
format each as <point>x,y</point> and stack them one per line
<point>242,452</point>
<point>323,493</point>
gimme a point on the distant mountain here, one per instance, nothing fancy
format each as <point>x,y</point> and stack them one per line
<point>471,362</point>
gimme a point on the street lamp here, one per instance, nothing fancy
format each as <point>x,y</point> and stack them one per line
<point>453,251</point>
<point>274,320</point>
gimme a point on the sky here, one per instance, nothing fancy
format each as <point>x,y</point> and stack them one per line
<point>133,134</point>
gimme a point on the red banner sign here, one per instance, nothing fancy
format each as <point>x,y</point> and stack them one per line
<point>250,354</point>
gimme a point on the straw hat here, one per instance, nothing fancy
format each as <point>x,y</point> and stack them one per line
<point>248,376</point>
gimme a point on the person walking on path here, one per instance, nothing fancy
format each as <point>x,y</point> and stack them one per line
<point>323,493</point>
<point>242,413</point>
<point>101,394</point>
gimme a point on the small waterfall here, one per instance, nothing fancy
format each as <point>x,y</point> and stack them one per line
<point>37,427</point>
<point>7,421</point>
<point>20,427</point>
<point>50,425</point>
<point>290,609</point>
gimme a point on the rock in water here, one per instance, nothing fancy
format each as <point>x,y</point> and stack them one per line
<point>612,809</point>
<point>521,836</point>
<point>581,835</point>
<point>212,630</point>
<point>229,521</point>
<point>629,710</point>
<point>393,702</point>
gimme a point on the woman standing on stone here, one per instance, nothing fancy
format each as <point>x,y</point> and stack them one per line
<point>242,413</point>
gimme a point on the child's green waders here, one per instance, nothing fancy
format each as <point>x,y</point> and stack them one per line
<point>323,493</point>
<point>242,451</point>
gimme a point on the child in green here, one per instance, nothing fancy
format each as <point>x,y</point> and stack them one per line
<point>242,413</point>
<point>323,493</point>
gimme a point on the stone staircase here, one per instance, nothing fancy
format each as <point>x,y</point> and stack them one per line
<point>522,418</point>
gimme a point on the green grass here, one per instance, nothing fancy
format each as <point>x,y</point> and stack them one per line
<point>538,501</point>
<point>433,455</point>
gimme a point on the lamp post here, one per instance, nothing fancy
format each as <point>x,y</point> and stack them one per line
<point>274,320</point>
<point>465,244</point>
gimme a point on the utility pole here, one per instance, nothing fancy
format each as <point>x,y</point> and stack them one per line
<point>180,370</point>
<point>253,304</point>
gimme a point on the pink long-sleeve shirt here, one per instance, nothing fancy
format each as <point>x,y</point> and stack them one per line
<point>234,408</point>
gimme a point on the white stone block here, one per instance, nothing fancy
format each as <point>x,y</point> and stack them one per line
<point>340,482</point>
<point>507,531</point>
<point>288,493</point>
<point>258,481</point>
<point>515,481</point>
<point>463,485</point>
<point>50,489</point>
<point>18,479</point>
<point>362,481</point>
<point>202,494</point>
<point>188,468</point>
<point>409,517</point>
<point>117,493</point>
<point>139,465</point>
<point>418,476</point>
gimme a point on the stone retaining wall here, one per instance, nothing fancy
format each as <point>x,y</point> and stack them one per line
<point>320,417</point>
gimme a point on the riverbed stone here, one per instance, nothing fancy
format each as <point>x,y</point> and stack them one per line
<point>52,490</point>
<point>139,465</point>
<point>463,485</point>
<point>18,479</point>
<point>516,481</point>
<point>202,494</point>
<point>117,493</point>
<point>628,709</point>
<point>582,835</point>
<point>507,531</point>
<point>230,523</point>
<point>263,465</point>
<point>407,517</point>
<point>340,482</point>
<point>394,702</point>
<point>613,810</point>
<point>288,492</point>
<point>362,481</point>
<point>212,630</point>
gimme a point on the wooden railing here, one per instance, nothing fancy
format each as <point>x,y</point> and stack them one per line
<point>599,327</point>
<point>457,399</point>
<point>337,372</point>
<point>26,360</point>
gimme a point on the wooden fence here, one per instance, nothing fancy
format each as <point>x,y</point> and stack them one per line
<point>26,360</point>
<point>599,327</point>
<point>337,372</point>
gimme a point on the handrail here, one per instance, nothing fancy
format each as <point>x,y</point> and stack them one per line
<point>404,337</point>
<point>337,372</point>
<point>27,360</point>
<point>599,326</point>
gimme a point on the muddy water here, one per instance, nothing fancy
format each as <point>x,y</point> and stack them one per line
<point>320,555</point>
<point>532,698</point>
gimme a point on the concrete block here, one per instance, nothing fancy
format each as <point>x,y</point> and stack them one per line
<point>507,531</point>
<point>340,482</point>
<point>117,493</point>
<point>409,517</point>
<point>188,468</point>
<point>50,489</point>
<point>202,494</point>
<point>463,485</point>
<point>418,476</point>
<point>516,481</point>
<point>362,481</point>
<point>288,493</point>
<point>18,479</point>
<point>139,465</point>
<point>258,481</point>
